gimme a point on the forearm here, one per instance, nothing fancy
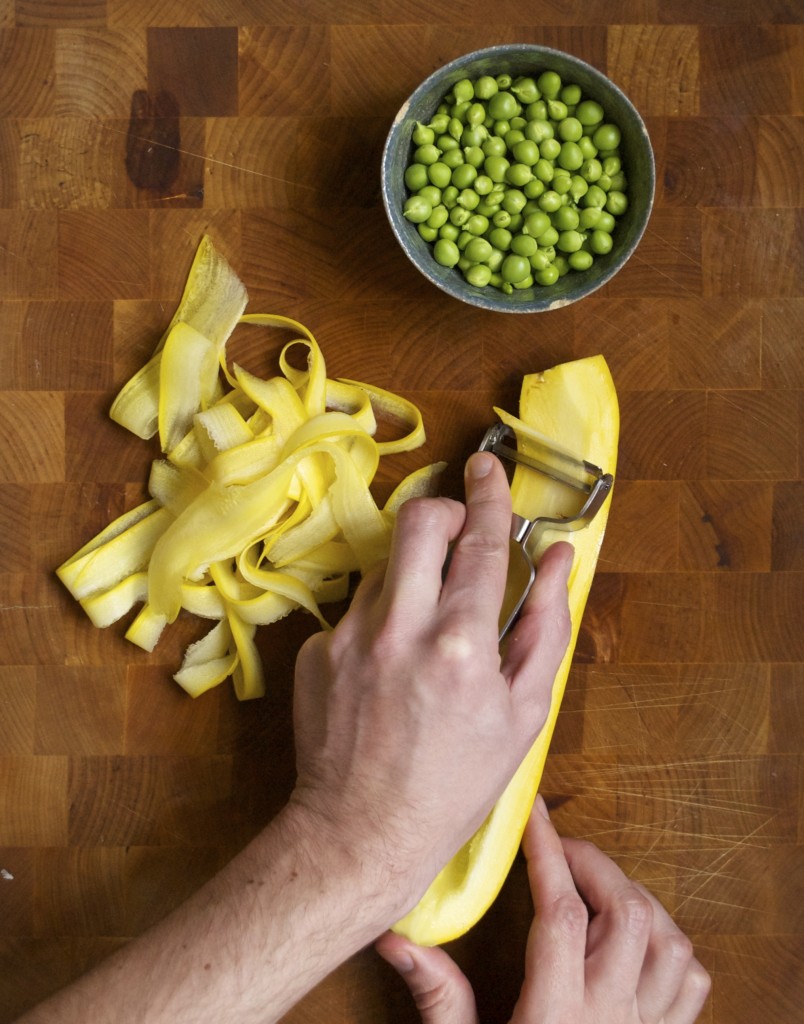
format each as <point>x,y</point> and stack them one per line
<point>279,918</point>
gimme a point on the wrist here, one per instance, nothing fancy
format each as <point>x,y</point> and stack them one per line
<point>349,868</point>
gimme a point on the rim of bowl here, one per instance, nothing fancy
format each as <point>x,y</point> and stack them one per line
<point>418,106</point>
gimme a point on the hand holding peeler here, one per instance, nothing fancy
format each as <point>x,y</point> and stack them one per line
<point>587,488</point>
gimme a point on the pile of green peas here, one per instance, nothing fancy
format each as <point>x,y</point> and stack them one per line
<point>516,181</point>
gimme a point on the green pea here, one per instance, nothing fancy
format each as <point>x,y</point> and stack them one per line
<point>525,90</point>
<point>478,250</point>
<point>589,218</point>
<point>464,238</point>
<point>504,80</point>
<point>540,259</point>
<point>494,145</point>
<point>458,215</point>
<point>570,130</point>
<point>438,217</point>
<point>450,231</point>
<point>518,174</point>
<point>617,203</point>
<point>428,233</point>
<point>415,176</point>
<point>478,275</point>
<point>526,282</point>
<point>549,149</point>
<point>591,170</point>
<point>607,136</point>
<point>600,242</point>
<point>468,199</point>
<point>594,197</point>
<point>514,137</point>
<point>477,224</point>
<point>524,245</point>
<point>474,155</point>
<point>612,165</point>
<point>587,147</point>
<point>566,218</point>
<point>417,209</point>
<point>550,201</point>
<point>549,84</point>
<point>483,184</point>
<point>538,130</point>
<point>446,142</point>
<point>537,223</point>
<point>473,136</point>
<point>439,174</point>
<point>569,241</point>
<point>427,154</point>
<point>548,238</point>
<point>500,238</point>
<point>561,263</point>
<point>455,127</point>
<point>562,183</point>
<point>536,111</point>
<point>515,268</point>
<point>533,188</point>
<point>422,135</point>
<point>570,157</point>
<point>547,276</point>
<point>605,221</point>
<point>501,128</point>
<point>571,94</point>
<point>580,260</point>
<point>496,167</point>
<point>450,196</point>
<point>440,123</point>
<point>476,114</point>
<point>617,182</point>
<point>464,175</point>
<point>517,123</point>
<point>544,170</point>
<point>514,201</point>
<point>501,219</point>
<point>589,112</point>
<point>485,87</point>
<point>459,109</point>
<point>556,110</point>
<point>526,152</point>
<point>463,90</point>
<point>452,158</point>
<point>604,182</point>
<point>503,105</point>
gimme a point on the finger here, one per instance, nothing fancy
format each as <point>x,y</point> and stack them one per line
<point>554,970</point>
<point>691,997</point>
<point>476,578</point>
<point>424,529</point>
<point>622,922</point>
<point>439,988</point>
<point>540,638</point>
<point>667,961</point>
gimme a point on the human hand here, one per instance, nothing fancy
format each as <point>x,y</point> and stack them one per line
<point>621,961</point>
<point>408,725</point>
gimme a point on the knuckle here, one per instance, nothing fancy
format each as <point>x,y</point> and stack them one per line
<point>489,546</point>
<point>699,980</point>
<point>418,514</point>
<point>677,948</point>
<point>634,911</point>
<point>567,915</point>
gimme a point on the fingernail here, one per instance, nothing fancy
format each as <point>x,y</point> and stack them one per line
<point>541,807</point>
<point>479,465</point>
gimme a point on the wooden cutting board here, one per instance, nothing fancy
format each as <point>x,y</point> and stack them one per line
<point>128,128</point>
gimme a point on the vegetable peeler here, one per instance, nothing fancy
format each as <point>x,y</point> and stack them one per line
<point>587,485</point>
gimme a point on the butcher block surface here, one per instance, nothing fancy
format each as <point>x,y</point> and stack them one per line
<point>128,129</point>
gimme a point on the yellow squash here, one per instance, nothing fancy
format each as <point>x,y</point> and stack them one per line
<point>575,404</point>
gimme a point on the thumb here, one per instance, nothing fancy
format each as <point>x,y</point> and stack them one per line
<point>439,988</point>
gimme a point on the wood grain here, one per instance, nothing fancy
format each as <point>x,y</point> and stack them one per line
<point>130,127</point>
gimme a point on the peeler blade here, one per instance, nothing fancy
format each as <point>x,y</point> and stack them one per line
<point>589,483</point>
